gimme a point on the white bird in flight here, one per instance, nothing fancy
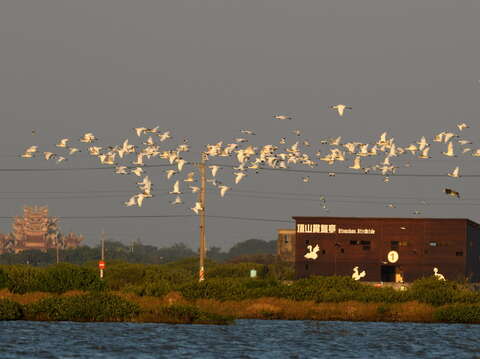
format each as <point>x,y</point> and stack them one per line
<point>88,138</point>
<point>190,177</point>
<point>223,190</point>
<point>176,188</point>
<point>455,173</point>
<point>239,176</point>
<point>177,200</point>
<point>121,170</point>
<point>138,171</point>
<point>131,202</point>
<point>49,155</point>
<point>449,152</point>
<point>139,130</point>
<point>281,117</point>
<point>340,108</point>
<point>62,143</point>
<point>170,173</point>
<point>73,150</point>
<point>197,208</point>
<point>214,169</point>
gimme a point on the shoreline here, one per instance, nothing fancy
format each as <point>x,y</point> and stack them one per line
<point>173,308</point>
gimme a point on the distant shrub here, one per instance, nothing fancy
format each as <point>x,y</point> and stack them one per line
<point>233,270</point>
<point>170,273</point>
<point>188,314</point>
<point>23,279</point>
<point>437,292</point>
<point>229,289</point>
<point>3,279</point>
<point>92,307</point>
<point>325,289</point>
<point>158,288</point>
<point>458,313</point>
<point>10,310</point>
<point>120,275</point>
<point>64,277</point>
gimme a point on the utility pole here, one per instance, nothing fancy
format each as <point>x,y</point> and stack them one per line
<point>102,254</point>
<point>58,251</point>
<point>201,199</point>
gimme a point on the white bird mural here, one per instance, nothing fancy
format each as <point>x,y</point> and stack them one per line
<point>356,275</point>
<point>437,275</point>
<point>312,252</point>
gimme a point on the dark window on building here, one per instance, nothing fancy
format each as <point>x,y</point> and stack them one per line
<point>342,250</point>
<point>366,248</point>
<point>394,245</point>
<point>353,243</point>
<point>433,244</point>
<point>365,243</point>
<point>323,251</point>
<point>459,254</point>
<point>306,266</point>
<point>286,239</point>
<point>307,242</point>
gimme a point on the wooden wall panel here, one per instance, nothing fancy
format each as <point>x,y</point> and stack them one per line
<point>421,244</point>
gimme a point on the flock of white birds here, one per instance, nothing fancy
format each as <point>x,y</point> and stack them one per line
<point>384,157</point>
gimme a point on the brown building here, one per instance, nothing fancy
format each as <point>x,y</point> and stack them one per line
<point>286,245</point>
<point>36,230</point>
<point>387,249</point>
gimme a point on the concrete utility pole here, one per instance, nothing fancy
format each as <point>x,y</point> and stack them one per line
<point>58,251</point>
<point>103,252</point>
<point>201,199</point>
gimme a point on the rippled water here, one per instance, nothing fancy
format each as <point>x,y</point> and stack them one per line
<point>246,339</point>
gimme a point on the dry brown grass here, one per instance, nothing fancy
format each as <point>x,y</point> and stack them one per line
<point>23,298</point>
<point>265,308</point>
<point>276,308</point>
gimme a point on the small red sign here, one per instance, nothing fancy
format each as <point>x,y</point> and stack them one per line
<point>101,264</point>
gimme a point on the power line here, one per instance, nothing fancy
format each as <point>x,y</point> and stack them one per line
<point>163,216</point>
<point>292,170</point>
<point>251,219</point>
<point>73,169</point>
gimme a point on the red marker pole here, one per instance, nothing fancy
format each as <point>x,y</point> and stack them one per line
<point>101,263</point>
<point>101,266</point>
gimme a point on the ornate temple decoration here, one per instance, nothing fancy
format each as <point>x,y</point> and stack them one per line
<point>37,231</point>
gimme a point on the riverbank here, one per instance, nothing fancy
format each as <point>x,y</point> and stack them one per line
<point>171,294</point>
<point>173,308</point>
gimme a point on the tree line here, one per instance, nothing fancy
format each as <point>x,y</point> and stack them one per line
<point>251,250</point>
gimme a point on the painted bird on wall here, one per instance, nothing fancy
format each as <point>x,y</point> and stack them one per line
<point>312,252</point>
<point>356,275</point>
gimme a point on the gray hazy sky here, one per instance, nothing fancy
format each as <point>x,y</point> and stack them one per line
<point>206,69</point>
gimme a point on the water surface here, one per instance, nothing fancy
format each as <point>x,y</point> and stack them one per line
<point>246,339</point>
